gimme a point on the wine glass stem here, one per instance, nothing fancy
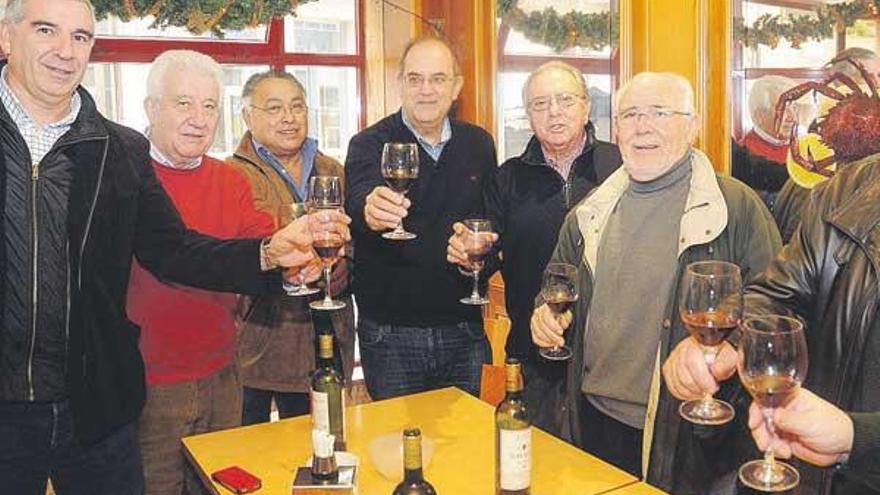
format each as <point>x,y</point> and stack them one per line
<point>475,293</point>
<point>327,297</point>
<point>769,456</point>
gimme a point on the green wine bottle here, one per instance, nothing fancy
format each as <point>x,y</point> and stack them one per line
<point>328,394</point>
<point>413,482</point>
<point>513,437</point>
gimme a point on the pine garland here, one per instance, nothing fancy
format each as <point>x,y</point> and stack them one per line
<point>770,30</point>
<point>199,16</point>
<point>560,32</point>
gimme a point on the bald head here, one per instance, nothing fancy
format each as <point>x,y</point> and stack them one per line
<point>429,40</point>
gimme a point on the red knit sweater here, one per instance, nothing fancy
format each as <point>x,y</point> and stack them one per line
<point>187,333</point>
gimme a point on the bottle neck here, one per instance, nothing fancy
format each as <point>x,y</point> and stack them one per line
<point>325,351</point>
<point>412,475</point>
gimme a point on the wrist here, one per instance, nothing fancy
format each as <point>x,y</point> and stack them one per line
<point>267,261</point>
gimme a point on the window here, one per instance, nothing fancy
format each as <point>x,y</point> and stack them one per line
<point>321,45</point>
<point>522,52</point>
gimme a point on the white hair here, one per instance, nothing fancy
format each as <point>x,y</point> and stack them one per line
<point>556,65</point>
<point>763,97</point>
<point>683,86</point>
<point>183,60</point>
<point>13,10</point>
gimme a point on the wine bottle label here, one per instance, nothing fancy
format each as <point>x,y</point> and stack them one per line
<point>515,459</point>
<point>321,411</point>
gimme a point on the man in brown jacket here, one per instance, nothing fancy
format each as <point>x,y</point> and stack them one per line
<point>276,350</point>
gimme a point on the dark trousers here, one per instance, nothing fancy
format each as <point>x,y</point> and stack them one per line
<point>37,443</point>
<point>610,440</point>
<point>400,360</point>
<point>257,404</point>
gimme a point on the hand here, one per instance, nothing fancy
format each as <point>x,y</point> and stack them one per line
<point>548,327</point>
<point>291,247</point>
<point>687,374</point>
<point>455,249</point>
<point>312,271</point>
<point>808,427</point>
<point>385,209</point>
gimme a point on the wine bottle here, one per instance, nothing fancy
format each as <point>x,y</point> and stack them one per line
<point>513,437</point>
<point>414,482</point>
<point>328,393</point>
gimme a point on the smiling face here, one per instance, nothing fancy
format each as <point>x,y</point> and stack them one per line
<point>428,84</point>
<point>652,145</point>
<point>277,116</point>
<point>556,126</point>
<point>48,50</point>
<point>184,117</point>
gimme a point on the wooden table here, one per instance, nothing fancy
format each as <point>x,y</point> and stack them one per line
<point>638,488</point>
<point>463,463</point>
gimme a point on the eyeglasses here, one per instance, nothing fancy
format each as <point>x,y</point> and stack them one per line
<point>276,109</point>
<point>417,80</point>
<point>651,115</point>
<point>564,100</point>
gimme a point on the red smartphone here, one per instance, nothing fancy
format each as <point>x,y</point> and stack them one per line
<point>236,480</point>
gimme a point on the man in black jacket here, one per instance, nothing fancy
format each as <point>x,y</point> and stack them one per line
<point>527,199</point>
<point>80,199</point>
<point>827,276</point>
<point>414,333</point>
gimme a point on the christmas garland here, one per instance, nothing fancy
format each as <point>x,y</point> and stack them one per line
<point>199,16</point>
<point>560,32</point>
<point>770,29</point>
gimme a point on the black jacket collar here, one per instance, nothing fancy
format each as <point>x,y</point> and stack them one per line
<point>534,155</point>
<point>859,215</point>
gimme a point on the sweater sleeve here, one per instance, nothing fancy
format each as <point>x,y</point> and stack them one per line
<point>362,175</point>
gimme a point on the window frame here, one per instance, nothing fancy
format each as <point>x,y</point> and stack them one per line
<point>270,51</point>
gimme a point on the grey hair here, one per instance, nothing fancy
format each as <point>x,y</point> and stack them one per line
<point>251,84</point>
<point>13,11</point>
<point>649,78</point>
<point>763,97</point>
<point>181,60</point>
<point>556,65</point>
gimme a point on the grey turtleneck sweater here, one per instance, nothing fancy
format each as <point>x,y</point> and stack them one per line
<point>636,264</point>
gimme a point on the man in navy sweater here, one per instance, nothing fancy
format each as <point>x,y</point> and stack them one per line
<point>414,334</point>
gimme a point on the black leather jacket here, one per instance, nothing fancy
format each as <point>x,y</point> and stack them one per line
<point>118,209</point>
<point>828,275</point>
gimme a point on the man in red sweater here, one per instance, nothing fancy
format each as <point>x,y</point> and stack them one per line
<point>188,335</point>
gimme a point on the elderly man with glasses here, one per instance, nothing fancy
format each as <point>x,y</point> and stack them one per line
<point>630,239</point>
<point>527,199</point>
<point>276,156</point>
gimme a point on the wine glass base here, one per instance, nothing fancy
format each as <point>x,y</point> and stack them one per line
<point>301,291</point>
<point>555,353</point>
<point>758,475</point>
<point>324,305</point>
<point>399,236</point>
<point>714,413</point>
<point>474,301</point>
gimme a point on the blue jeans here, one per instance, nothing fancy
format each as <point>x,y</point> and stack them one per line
<point>36,443</point>
<point>401,360</point>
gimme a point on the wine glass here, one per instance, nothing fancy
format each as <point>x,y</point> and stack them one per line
<point>772,363</point>
<point>477,244</point>
<point>400,166</point>
<point>710,305</point>
<point>291,212</point>
<point>325,195</point>
<point>559,290</point>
